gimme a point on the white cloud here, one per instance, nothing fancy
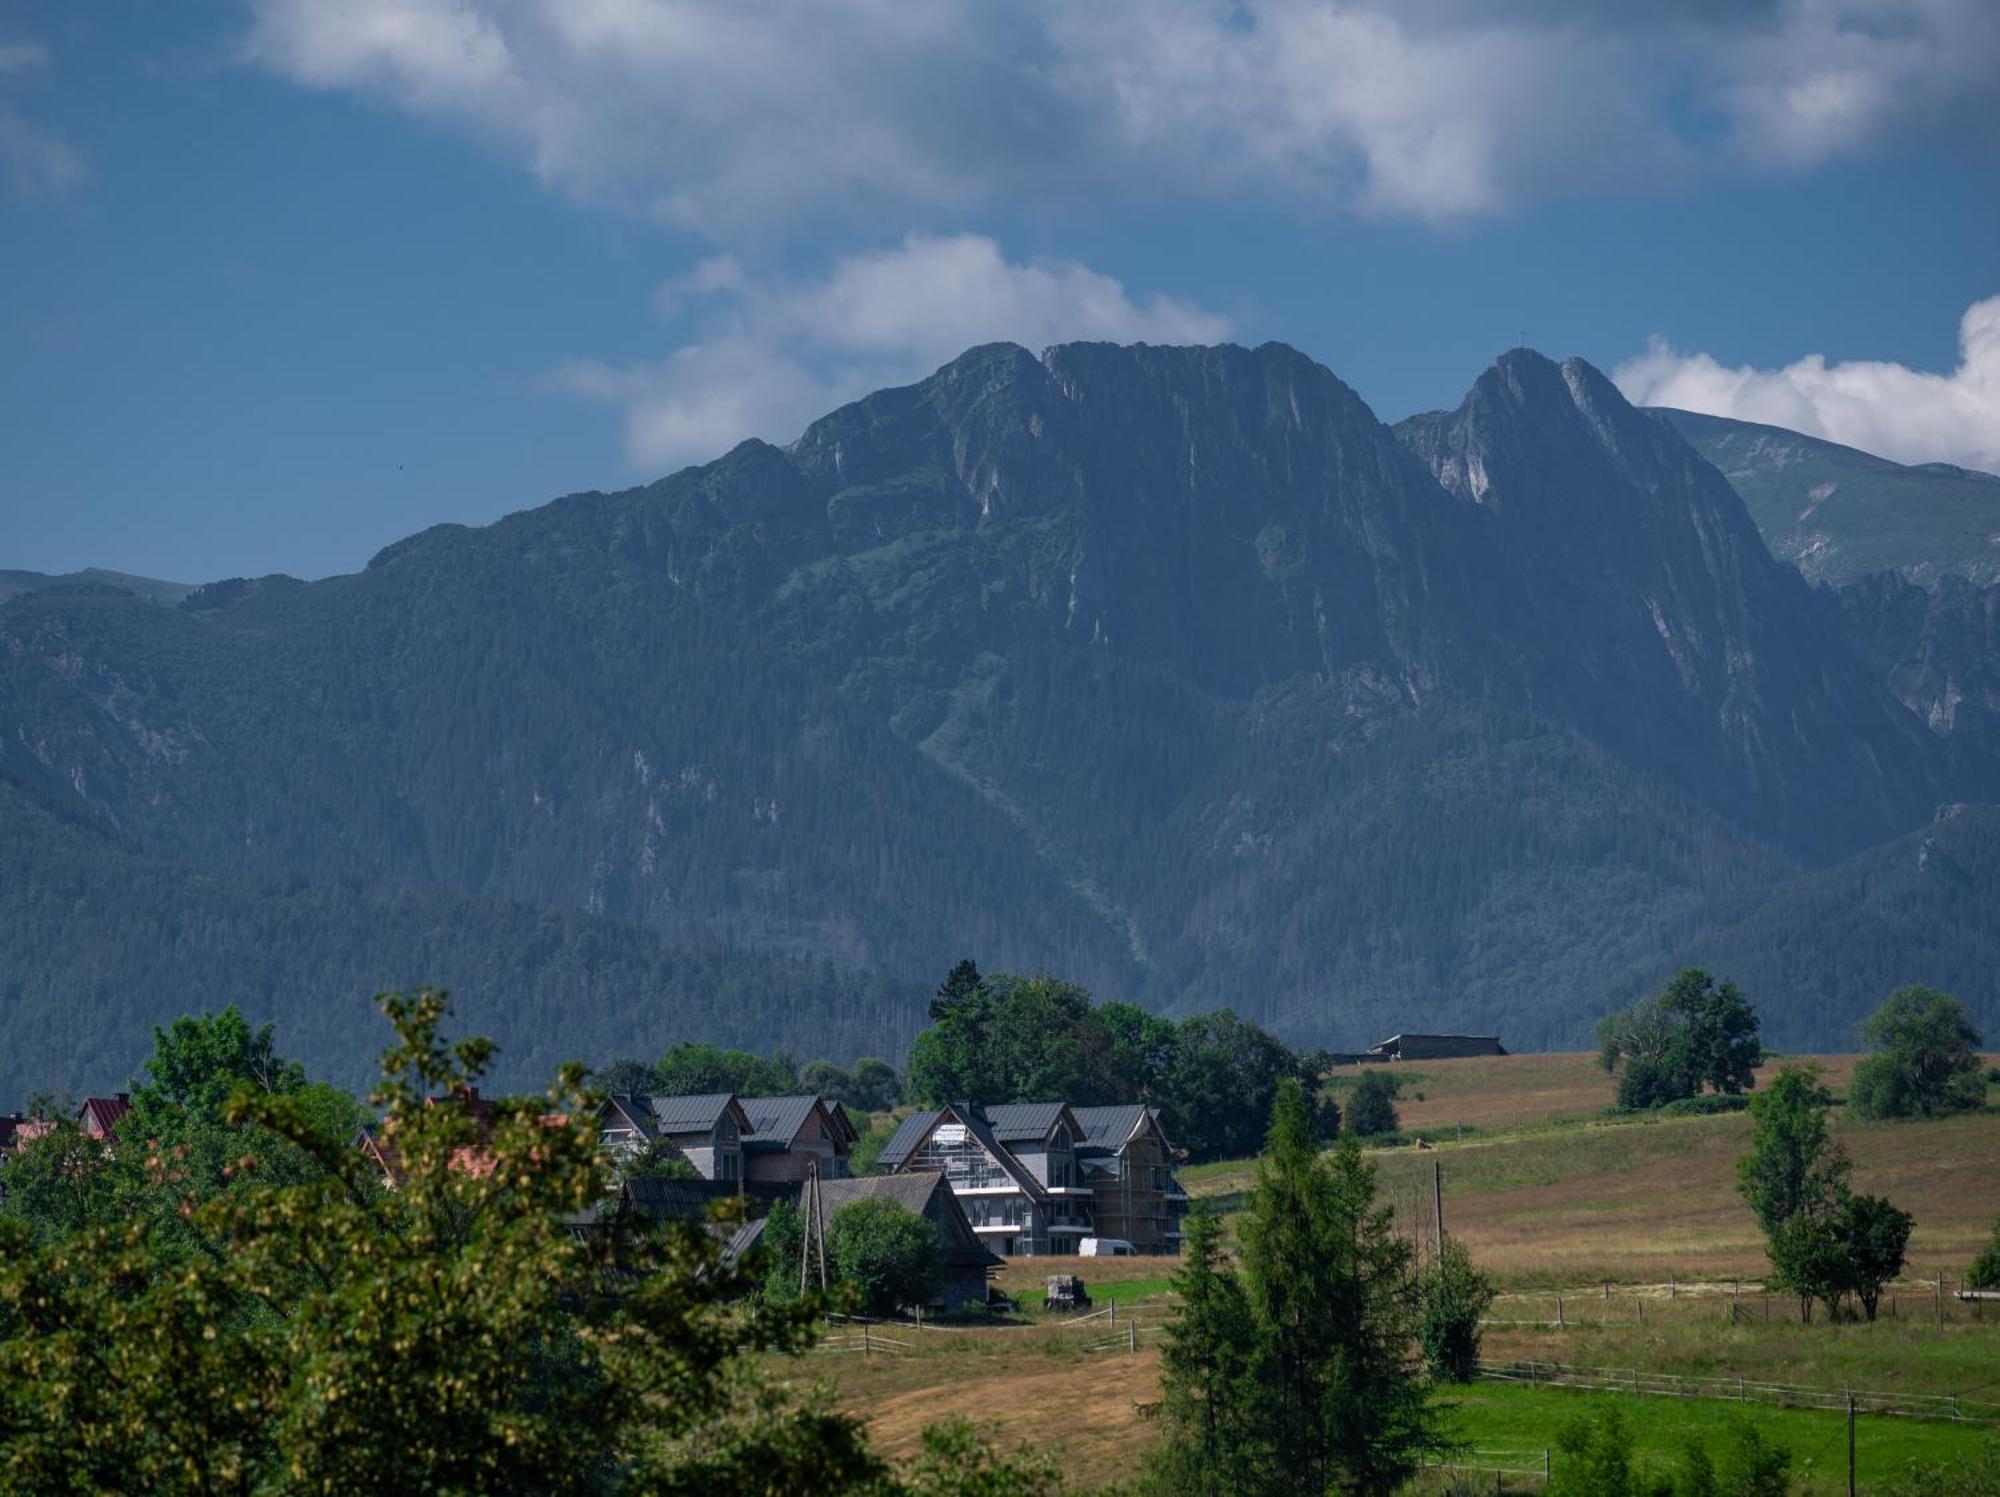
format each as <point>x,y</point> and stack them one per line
<point>729,115</point>
<point>1897,412</point>
<point>34,161</point>
<point>20,57</point>
<point>770,356</point>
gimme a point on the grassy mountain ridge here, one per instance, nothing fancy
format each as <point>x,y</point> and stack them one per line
<point>1838,513</point>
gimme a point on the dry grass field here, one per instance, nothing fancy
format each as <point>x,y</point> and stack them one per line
<point>1552,1196</point>
<point>1546,1189</point>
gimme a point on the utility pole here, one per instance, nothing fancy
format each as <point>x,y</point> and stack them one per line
<point>1850,1445</point>
<point>815,1234</point>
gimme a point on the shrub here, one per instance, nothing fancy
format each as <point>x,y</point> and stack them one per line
<point>1371,1111</point>
<point>1985,1271</point>
<point>1705,1106</point>
<point>1453,1296</point>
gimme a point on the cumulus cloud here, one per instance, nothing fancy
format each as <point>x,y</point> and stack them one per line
<point>725,115</point>
<point>1909,415</point>
<point>768,356</point>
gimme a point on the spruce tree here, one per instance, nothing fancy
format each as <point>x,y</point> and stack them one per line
<point>1333,1298</point>
<point>1211,1444</point>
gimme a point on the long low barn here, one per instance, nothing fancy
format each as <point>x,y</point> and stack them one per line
<point>1436,1046</point>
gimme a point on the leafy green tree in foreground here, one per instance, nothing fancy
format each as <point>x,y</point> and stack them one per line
<point>1926,1062</point>
<point>450,1335</point>
<point>887,1252</point>
<point>1694,1033</point>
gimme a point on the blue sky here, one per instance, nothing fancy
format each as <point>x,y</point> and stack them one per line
<point>284,280</point>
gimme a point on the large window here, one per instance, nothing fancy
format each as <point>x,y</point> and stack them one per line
<point>996,1211</point>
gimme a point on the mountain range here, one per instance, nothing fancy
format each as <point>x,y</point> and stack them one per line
<point>1173,670</point>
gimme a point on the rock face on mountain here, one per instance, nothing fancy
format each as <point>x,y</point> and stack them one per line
<point>1660,623</point>
<point>1171,669</point>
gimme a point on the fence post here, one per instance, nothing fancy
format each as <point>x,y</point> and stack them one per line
<point>1559,1312</point>
<point>1672,1292</point>
<point>1635,1381</point>
<point>1114,1310</point>
<point>866,1349</point>
<point>1545,1463</point>
<point>1132,1337</point>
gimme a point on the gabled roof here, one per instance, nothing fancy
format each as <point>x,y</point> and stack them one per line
<point>630,1111</point>
<point>926,1193</point>
<point>1110,1127</point>
<point>979,1127</point>
<point>776,1121</point>
<point>912,1131</point>
<point>102,1113</point>
<point>903,1142</point>
<point>697,1114</point>
<point>1024,1122</point>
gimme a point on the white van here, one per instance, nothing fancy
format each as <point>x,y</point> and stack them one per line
<point>1105,1247</point>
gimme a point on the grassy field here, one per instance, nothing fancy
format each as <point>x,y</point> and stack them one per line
<point>1554,1198</point>
<point>1546,1189</point>
<point>1511,1426</point>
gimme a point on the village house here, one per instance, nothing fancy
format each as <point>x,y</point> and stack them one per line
<point>1013,1168</point>
<point>99,1116</point>
<point>1128,1162</point>
<point>706,1130</point>
<point>788,1136</point>
<point>968,1262</point>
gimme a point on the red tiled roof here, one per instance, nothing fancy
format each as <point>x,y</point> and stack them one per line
<point>100,1115</point>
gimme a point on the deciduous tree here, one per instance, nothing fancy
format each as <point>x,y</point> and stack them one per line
<point>1926,1062</point>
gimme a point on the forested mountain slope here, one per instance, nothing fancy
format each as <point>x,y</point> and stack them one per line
<point>103,941</point>
<point>1173,670</point>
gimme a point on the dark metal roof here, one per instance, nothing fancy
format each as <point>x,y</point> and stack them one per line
<point>1023,1122</point>
<point>1109,1127</point>
<point>903,1142</point>
<point>775,1120</point>
<point>691,1114</point>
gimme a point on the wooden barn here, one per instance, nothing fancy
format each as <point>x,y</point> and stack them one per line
<point>1436,1046</point>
